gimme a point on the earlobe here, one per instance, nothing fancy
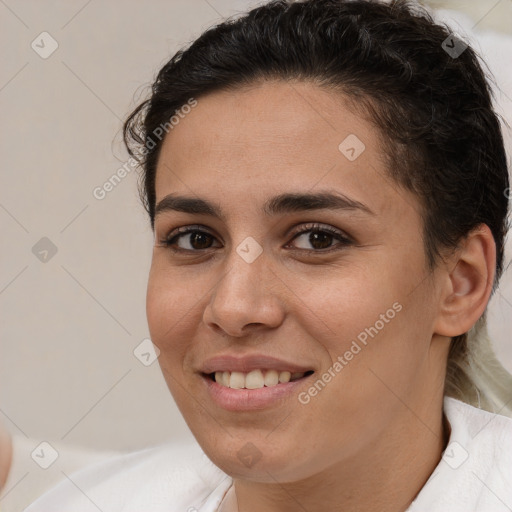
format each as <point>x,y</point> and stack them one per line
<point>468,283</point>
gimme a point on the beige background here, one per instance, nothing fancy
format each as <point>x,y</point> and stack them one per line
<point>69,326</point>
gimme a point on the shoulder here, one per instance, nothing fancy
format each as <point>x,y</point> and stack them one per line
<point>475,471</point>
<point>162,478</point>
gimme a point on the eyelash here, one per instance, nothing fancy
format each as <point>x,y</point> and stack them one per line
<point>171,239</point>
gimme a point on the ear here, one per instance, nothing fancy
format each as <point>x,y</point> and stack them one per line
<point>467,283</point>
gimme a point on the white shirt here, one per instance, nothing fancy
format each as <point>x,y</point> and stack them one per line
<point>474,475</point>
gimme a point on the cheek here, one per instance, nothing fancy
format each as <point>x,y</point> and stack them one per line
<point>169,305</point>
<point>369,318</point>
<point>383,343</point>
<point>340,306</point>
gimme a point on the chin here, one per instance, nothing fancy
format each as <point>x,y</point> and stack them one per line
<point>253,458</point>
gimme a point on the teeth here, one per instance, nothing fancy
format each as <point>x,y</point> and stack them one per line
<point>284,377</point>
<point>271,378</point>
<point>255,379</point>
<point>237,380</point>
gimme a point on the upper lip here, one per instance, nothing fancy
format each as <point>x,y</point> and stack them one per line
<point>245,364</point>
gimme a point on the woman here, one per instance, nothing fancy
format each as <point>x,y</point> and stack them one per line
<point>327,185</point>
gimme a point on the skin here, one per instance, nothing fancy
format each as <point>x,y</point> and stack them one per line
<point>5,455</point>
<point>372,436</point>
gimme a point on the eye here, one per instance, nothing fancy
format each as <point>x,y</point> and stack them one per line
<point>195,239</point>
<point>320,238</point>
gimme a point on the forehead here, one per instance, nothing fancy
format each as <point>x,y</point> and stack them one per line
<point>270,137</point>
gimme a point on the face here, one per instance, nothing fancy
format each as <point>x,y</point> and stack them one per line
<point>276,277</point>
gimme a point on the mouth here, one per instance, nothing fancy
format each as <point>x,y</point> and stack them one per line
<point>255,379</point>
<point>253,382</point>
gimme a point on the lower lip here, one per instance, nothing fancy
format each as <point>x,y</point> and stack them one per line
<point>253,399</point>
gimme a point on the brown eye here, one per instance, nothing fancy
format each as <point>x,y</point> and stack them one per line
<point>193,239</point>
<point>319,238</point>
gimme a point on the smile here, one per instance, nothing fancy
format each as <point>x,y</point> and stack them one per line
<point>256,379</point>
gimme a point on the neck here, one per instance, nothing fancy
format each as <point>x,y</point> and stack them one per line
<point>387,476</point>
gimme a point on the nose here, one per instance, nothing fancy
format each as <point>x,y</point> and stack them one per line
<point>245,298</point>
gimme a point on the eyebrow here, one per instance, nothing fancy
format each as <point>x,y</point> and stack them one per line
<point>278,205</point>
